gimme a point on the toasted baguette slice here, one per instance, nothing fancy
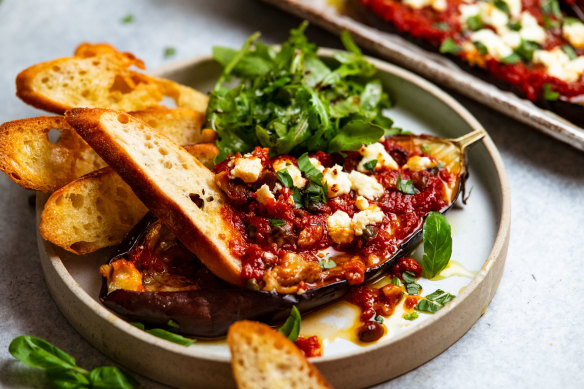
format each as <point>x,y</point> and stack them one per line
<point>99,209</point>
<point>100,76</point>
<point>31,159</point>
<point>173,184</point>
<point>262,358</point>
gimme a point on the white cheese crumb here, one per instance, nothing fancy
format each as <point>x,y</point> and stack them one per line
<point>316,163</point>
<point>467,11</point>
<point>493,16</point>
<point>365,186</point>
<point>264,195</point>
<point>295,173</point>
<point>339,227</point>
<point>438,5</point>
<point>559,65</point>
<point>376,151</point>
<point>514,8</point>
<point>361,203</point>
<point>531,30</point>
<point>372,215</point>
<point>493,42</point>
<point>574,33</point>
<point>337,180</point>
<point>247,168</point>
<point>417,163</point>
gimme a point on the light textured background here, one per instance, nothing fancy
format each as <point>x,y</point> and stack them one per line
<point>532,334</point>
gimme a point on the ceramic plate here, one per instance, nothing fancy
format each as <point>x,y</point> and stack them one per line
<point>480,233</point>
<point>330,15</point>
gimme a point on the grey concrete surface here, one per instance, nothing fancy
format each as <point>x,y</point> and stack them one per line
<point>531,335</point>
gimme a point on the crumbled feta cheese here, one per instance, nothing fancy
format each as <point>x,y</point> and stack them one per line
<point>514,8</point>
<point>438,5</point>
<point>559,65</point>
<point>361,203</point>
<point>468,11</point>
<point>511,39</point>
<point>295,173</point>
<point>337,180</point>
<point>365,185</point>
<point>531,30</point>
<point>264,195</point>
<point>372,215</point>
<point>493,16</point>
<point>316,163</point>
<point>417,163</point>
<point>376,151</point>
<point>493,42</point>
<point>339,227</point>
<point>247,168</point>
<point>574,33</point>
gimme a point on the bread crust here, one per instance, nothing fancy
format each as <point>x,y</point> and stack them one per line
<point>122,141</point>
<point>262,358</point>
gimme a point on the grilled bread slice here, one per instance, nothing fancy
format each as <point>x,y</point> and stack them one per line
<point>100,76</point>
<point>32,158</point>
<point>99,209</point>
<point>174,185</point>
<point>262,358</point>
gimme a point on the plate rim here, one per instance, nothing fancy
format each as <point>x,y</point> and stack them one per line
<point>497,254</point>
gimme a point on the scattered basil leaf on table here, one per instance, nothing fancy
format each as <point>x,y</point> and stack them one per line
<point>62,370</point>
<point>437,244</point>
<point>291,327</point>
<point>169,52</point>
<point>164,334</point>
<point>129,18</point>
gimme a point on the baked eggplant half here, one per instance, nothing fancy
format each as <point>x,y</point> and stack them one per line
<point>153,278</point>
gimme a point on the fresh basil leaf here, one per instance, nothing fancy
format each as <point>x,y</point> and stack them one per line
<point>172,324</point>
<point>474,22</point>
<point>569,21</point>
<point>514,26</point>
<point>570,52</point>
<point>291,327</point>
<point>395,281</point>
<point>549,23</point>
<point>315,193</point>
<point>171,336</point>
<point>552,7</point>
<point>433,295</point>
<point>355,134</point>
<point>440,165</point>
<point>449,46</point>
<point>549,93</point>
<point>445,298</point>
<point>437,244</point>
<point>310,172</point>
<point>138,325</point>
<point>327,263</point>
<point>408,277</point>
<point>503,6</point>
<point>425,149</point>
<point>481,48</point>
<point>410,316</point>
<point>379,319</point>
<point>370,165</point>
<point>526,49</point>
<point>285,178</point>
<point>277,222</point>
<point>428,306</point>
<point>442,26</point>
<point>297,197</point>
<point>37,352</point>
<point>109,377</point>
<point>406,186</point>
<point>169,52</point>
<point>511,59</point>
<point>67,378</point>
<point>413,288</point>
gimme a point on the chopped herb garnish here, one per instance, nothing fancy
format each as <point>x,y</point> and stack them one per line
<point>409,279</point>
<point>129,18</point>
<point>511,59</point>
<point>503,6</point>
<point>291,327</point>
<point>277,222</point>
<point>379,319</point>
<point>166,335</point>
<point>310,172</point>
<point>442,26</point>
<point>569,21</point>
<point>552,7</point>
<point>549,23</point>
<point>395,281</point>
<point>428,306</point>
<point>433,295</point>
<point>514,26</point>
<point>169,52</point>
<point>61,368</point>
<point>474,22</point>
<point>570,52</point>
<point>481,48</point>
<point>370,165</point>
<point>410,316</point>
<point>449,46</point>
<point>425,149</point>
<point>406,186</point>
<point>434,301</point>
<point>440,165</point>
<point>437,244</point>
<point>549,93</point>
<point>445,298</point>
<point>285,178</point>
<point>297,197</point>
<point>526,49</point>
<point>327,263</point>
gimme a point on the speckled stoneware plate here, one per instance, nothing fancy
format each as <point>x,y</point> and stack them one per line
<point>480,233</point>
<point>330,14</point>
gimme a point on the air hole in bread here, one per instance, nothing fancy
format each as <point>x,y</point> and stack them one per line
<point>185,166</point>
<point>85,93</point>
<point>149,145</point>
<point>82,246</point>
<point>164,151</point>
<point>203,191</point>
<point>56,68</point>
<point>123,118</point>
<point>44,80</point>
<point>195,198</point>
<point>210,198</point>
<point>59,200</point>
<point>147,136</point>
<point>76,200</point>
<point>82,72</point>
<point>15,176</point>
<point>167,164</point>
<point>120,85</point>
<point>95,63</point>
<point>65,85</point>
